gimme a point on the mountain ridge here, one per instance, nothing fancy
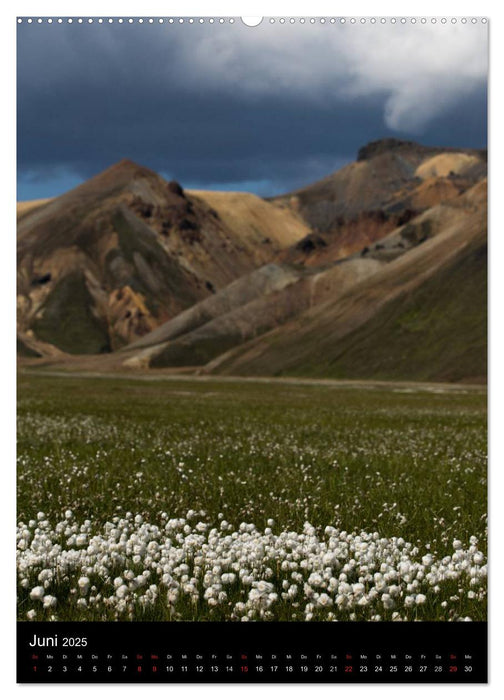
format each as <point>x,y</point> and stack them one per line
<point>129,234</point>
<point>301,284</point>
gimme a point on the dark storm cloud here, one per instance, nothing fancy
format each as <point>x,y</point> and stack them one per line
<point>223,107</point>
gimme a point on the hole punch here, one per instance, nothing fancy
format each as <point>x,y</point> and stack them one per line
<point>252,21</point>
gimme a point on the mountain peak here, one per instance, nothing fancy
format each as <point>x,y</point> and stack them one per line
<point>375,148</point>
<point>128,167</point>
<point>391,145</point>
<point>117,176</point>
<point>126,163</point>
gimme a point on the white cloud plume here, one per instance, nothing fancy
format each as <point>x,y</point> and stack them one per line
<point>419,70</point>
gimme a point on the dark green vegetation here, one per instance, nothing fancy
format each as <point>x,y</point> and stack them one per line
<point>24,351</point>
<point>68,319</point>
<point>404,462</point>
<point>435,332</point>
<point>184,354</point>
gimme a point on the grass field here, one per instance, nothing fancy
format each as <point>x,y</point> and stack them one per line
<point>173,500</point>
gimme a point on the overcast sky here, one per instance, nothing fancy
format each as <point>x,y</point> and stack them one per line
<point>264,109</point>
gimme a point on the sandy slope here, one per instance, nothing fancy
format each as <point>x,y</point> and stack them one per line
<point>254,218</point>
<point>23,208</point>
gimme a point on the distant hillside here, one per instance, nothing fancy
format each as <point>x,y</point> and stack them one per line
<point>391,183</point>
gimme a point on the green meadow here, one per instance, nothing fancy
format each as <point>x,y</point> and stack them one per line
<point>324,476</point>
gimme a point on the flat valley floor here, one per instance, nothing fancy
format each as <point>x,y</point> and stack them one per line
<point>206,499</point>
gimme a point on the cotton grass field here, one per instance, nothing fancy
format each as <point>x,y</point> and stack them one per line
<point>213,500</point>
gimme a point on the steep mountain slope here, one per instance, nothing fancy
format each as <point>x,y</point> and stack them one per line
<point>421,316</point>
<point>429,333</point>
<point>267,279</point>
<point>109,261</point>
<point>202,333</point>
<point>391,182</point>
<point>271,296</point>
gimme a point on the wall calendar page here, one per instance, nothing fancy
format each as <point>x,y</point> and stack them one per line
<point>252,349</point>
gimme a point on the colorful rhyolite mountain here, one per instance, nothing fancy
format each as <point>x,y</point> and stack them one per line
<point>377,271</point>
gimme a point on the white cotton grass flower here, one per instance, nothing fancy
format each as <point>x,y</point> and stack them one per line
<point>37,593</point>
<point>324,601</point>
<point>45,576</point>
<point>122,591</point>
<point>263,586</point>
<point>83,584</point>
<point>182,563</point>
<point>387,601</point>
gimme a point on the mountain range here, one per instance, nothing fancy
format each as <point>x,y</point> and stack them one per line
<point>378,271</point>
